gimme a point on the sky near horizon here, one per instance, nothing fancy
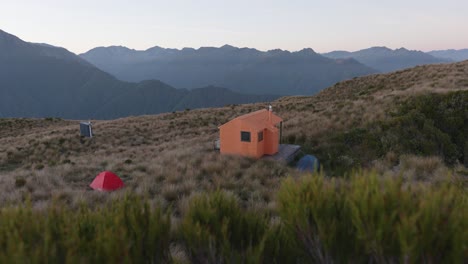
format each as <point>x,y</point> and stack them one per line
<point>291,25</point>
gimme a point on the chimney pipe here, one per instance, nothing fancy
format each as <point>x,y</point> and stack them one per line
<point>270,109</point>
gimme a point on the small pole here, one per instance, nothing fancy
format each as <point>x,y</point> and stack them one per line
<point>90,129</point>
<point>281,132</point>
<point>270,109</point>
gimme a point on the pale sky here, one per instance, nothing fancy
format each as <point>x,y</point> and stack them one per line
<point>324,26</point>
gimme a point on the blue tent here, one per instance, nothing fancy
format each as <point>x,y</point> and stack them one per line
<point>308,163</point>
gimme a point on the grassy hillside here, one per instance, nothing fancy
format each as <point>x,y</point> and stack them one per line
<point>170,156</point>
<point>169,160</point>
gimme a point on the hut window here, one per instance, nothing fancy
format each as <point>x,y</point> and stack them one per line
<point>260,136</point>
<point>245,136</point>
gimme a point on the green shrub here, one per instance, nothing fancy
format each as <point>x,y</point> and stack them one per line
<point>125,231</point>
<point>369,219</point>
<point>216,230</point>
<point>280,246</point>
<point>448,115</point>
<point>314,212</point>
<point>363,218</point>
<point>430,125</point>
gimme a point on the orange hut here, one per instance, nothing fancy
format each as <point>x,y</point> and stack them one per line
<point>253,135</point>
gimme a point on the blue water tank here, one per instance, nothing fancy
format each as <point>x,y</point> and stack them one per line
<point>86,129</point>
<point>308,163</point>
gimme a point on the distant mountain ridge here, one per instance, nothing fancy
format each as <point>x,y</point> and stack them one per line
<point>40,80</point>
<point>384,59</point>
<point>451,54</point>
<point>241,69</point>
<point>154,97</point>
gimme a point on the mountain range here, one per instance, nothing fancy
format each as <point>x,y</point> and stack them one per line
<point>241,69</point>
<point>39,80</point>
<point>253,71</point>
<point>384,59</point>
<point>451,54</point>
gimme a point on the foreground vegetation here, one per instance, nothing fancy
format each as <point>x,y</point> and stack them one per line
<point>364,218</point>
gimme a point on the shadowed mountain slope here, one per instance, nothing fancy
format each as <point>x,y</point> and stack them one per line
<point>39,80</point>
<point>241,69</point>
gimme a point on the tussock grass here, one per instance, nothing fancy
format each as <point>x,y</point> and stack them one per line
<point>423,168</point>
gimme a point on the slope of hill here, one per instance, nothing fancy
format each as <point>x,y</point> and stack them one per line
<point>451,54</point>
<point>217,96</point>
<point>169,157</point>
<point>39,80</point>
<point>386,60</point>
<point>240,69</point>
<point>156,97</point>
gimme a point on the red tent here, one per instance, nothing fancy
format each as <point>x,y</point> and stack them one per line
<point>106,181</point>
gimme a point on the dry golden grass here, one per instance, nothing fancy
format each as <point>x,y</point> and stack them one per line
<point>167,164</point>
<point>361,100</point>
<point>170,157</point>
